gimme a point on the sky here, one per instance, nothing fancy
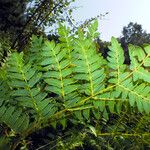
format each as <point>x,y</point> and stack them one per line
<point>121,12</point>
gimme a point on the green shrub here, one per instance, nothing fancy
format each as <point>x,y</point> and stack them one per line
<point>56,83</point>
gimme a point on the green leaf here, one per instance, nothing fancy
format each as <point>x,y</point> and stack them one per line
<point>93,130</point>
<point>86,114</point>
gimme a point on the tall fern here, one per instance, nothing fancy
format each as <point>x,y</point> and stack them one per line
<point>57,80</point>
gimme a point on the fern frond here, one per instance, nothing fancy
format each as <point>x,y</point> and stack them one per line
<point>14,118</point>
<point>88,67</point>
<point>58,70</point>
<point>140,59</point>
<point>116,61</point>
<point>92,30</point>
<point>34,53</point>
<point>137,94</point>
<point>4,88</point>
<point>24,79</point>
<point>65,37</point>
<point>66,40</point>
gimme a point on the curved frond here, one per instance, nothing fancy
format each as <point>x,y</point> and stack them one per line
<point>59,71</point>
<point>136,94</point>
<point>125,88</point>
<point>116,61</point>
<point>87,68</point>
<point>140,59</point>
<point>14,118</point>
<point>24,79</point>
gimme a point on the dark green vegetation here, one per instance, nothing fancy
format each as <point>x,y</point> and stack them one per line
<point>19,19</point>
<point>67,96</point>
<point>134,34</point>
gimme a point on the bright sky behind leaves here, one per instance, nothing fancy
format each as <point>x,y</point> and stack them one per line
<point>121,12</point>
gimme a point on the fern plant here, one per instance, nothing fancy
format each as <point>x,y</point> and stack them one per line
<point>70,81</point>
